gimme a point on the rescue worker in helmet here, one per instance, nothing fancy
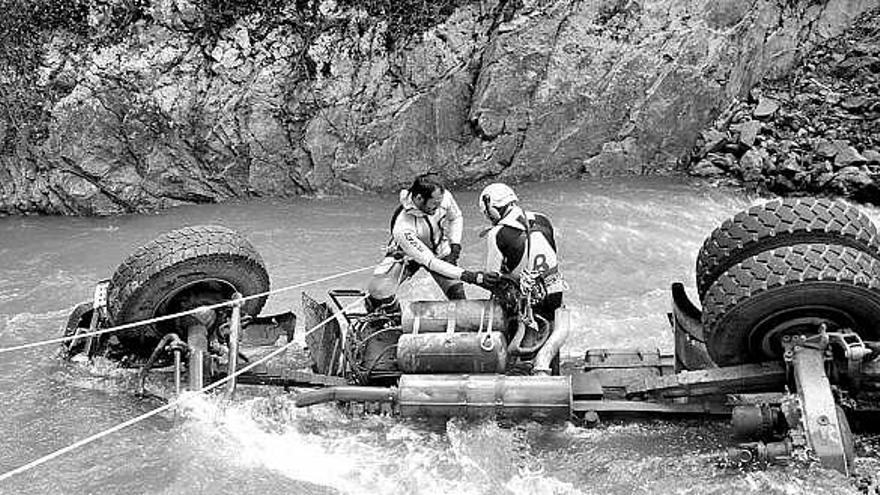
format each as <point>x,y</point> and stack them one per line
<point>426,230</point>
<point>521,244</point>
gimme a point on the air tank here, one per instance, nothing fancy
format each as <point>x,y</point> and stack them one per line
<point>472,352</point>
<point>462,315</point>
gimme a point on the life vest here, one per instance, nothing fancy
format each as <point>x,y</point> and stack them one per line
<point>539,258</point>
<point>425,238</point>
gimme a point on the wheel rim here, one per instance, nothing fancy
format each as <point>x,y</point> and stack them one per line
<point>765,340</point>
<point>197,293</point>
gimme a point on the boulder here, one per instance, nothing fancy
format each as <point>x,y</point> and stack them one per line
<point>854,102</point>
<point>705,168</point>
<point>782,185</point>
<point>826,149</point>
<point>766,108</point>
<point>726,161</point>
<point>748,131</point>
<point>847,156</point>
<point>753,159</point>
<point>854,177</point>
<point>871,156</point>
<point>712,140</point>
<point>790,165</point>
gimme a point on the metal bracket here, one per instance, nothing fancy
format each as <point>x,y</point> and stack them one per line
<point>852,349</point>
<point>827,434</point>
<point>340,295</point>
<point>99,308</point>
<point>234,335</point>
<point>99,300</point>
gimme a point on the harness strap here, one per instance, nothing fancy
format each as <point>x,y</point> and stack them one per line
<point>394,216</point>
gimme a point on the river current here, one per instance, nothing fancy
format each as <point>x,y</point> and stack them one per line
<point>622,243</point>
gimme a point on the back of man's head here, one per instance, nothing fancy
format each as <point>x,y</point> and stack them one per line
<point>424,185</point>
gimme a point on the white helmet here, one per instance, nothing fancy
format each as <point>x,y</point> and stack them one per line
<point>496,196</point>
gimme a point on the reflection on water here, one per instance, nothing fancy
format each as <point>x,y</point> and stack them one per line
<point>622,243</point>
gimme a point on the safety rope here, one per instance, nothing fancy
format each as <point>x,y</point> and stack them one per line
<point>125,424</point>
<point>178,315</point>
<point>158,319</point>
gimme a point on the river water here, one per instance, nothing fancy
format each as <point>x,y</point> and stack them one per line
<point>622,243</point>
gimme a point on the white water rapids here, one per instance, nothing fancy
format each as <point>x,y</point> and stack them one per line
<point>622,244</point>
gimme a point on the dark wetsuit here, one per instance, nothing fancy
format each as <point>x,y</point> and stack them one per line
<point>508,242</point>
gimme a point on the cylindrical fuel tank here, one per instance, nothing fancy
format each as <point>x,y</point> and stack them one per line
<point>462,315</point>
<point>479,396</point>
<point>472,352</point>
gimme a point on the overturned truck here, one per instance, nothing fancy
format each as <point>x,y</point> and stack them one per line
<point>787,343</point>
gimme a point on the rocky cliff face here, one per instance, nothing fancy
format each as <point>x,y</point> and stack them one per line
<point>145,104</point>
<point>814,131</point>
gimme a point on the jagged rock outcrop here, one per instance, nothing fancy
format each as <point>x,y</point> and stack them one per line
<point>814,131</point>
<point>169,102</point>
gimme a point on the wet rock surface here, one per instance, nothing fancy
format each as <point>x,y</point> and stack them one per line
<point>814,131</point>
<point>139,105</point>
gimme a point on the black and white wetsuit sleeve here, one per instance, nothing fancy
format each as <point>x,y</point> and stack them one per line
<point>454,219</point>
<point>406,236</point>
<point>494,256</point>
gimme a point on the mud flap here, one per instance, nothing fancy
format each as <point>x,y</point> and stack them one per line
<point>690,346</point>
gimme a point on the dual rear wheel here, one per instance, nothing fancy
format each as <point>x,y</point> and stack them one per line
<point>785,268</point>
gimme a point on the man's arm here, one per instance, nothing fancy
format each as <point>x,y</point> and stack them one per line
<point>494,257</point>
<point>454,219</point>
<point>405,236</point>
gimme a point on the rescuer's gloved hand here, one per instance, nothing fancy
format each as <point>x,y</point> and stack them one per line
<point>486,280</point>
<point>454,254</point>
<point>491,279</point>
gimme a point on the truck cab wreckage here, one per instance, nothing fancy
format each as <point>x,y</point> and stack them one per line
<point>786,345</point>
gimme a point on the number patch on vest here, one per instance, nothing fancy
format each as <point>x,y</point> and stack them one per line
<point>540,264</point>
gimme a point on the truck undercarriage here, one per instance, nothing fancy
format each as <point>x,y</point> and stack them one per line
<point>786,345</point>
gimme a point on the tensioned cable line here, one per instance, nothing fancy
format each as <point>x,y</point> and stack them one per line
<point>158,319</point>
<point>125,424</point>
<point>178,315</point>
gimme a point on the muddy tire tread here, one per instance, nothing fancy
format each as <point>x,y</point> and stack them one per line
<point>783,223</point>
<point>207,244</point>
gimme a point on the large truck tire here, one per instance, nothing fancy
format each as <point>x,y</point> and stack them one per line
<point>786,291</point>
<point>783,223</point>
<point>182,269</point>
